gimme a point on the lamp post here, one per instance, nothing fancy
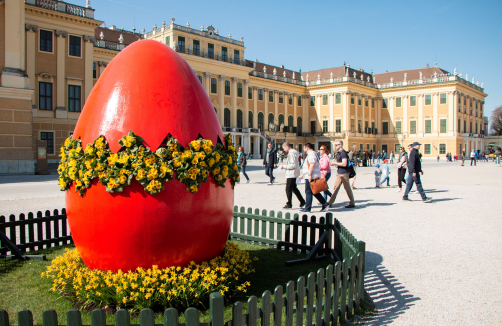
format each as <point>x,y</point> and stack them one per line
<point>273,127</point>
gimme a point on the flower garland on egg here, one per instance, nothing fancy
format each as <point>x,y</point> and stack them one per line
<point>192,164</point>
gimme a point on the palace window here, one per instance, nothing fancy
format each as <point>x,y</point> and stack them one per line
<point>385,128</point>
<point>373,103</point>
<point>413,101</point>
<point>366,131</point>
<point>260,94</point>
<point>398,127</point>
<point>214,86</point>
<point>442,125</point>
<point>428,99</point>
<point>239,118</point>
<point>325,99</point>
<point>338,98</point>
<point>74,98</point>
<point>281,98</point>
<point>181,43</point>
<point>281,120</point>
<point>299,125</point>
<point>338,125</point>
<point>352,125</point>
<point>290,99</point>
<point>224,53</point>
<point>385,103</point>
<point>465,125</point>
<point>168,40</point>
<point>49,136</point>
<point>75,42</point>
<point>94,70</point>
<point>428,128</point>
<point>358,101</point>
<point>470,127</point>
<point>270,119</point>
<point>427,149</point>
<point>227,87</point>
<point>465,100</point>
<point>291,123</point>
<point>470,100</point>
<point>312,101</point>
<point>250,119</point>
<point>442,98</point>
<point>239,89</point>
<point>442,149</point>
<point>45,41</point>
<point>325,126</point>
<point>200,78</point>
<point>359,126</point>
<point>196,47</point>
<point>237,56</point>
<point>413,127</point>
<point>210,50</point>
<point>261,121</point>
<point>250,93</point>
<point>45,96</point>
<point>398,102</point>
<point>271,96</point>
<point>366,102</point>
<point>226,118</point>
<point>299,100</point>
<point>312,127</point>
<point>459,125</point>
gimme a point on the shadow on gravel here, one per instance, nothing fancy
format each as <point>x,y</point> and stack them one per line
<point>443,199</point>
<point>387,294</point>
<point>17,178</point>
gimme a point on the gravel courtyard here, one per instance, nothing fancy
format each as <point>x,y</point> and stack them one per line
<point>426,264</point>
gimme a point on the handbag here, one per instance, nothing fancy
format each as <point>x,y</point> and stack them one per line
<point>318,185</point>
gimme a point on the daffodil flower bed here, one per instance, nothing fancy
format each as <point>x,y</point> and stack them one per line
<point>170,287</point>
<point>191,165</point>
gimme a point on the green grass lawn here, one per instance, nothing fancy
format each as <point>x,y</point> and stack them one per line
<point>21,286</point>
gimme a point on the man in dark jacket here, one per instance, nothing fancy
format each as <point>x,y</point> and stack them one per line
<point>270,162</point>
<point>414,172</point>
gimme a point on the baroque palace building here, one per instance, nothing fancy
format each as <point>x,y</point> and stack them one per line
<point>52,53</point>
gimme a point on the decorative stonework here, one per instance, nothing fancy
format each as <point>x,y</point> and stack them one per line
<point>33,28</point>
<point>61,33</point>
<point>221,77</point>
<point>207,74</point>
<point>92,39</point>
<point>234,79</point>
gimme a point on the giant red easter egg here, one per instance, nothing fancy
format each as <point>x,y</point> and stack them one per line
<point>149,89</point>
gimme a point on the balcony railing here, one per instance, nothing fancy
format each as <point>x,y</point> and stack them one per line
<point>433,80</point>
<point>173,26</point>
<point>109,45</point>
<point>62,6</point>
<point>279,78</point>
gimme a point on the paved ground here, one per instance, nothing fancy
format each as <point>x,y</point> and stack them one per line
<point>427,264</point>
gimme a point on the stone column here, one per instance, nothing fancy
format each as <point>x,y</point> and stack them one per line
<point>88,48</point>
<point>435,117</point>
<point>306,115</point>
<point>245,114</point>
<point>221,99</point>
<point>265,103</point>
<point>233,102</point>
<point>13,73</point>
<point>207,82</point>
<point>256,147</point>
<point>276,105</point>
<point>420,132</point>
<point>363,107</point>
<point>31,45</point>
<point>453,113</point>
<point>391,115</point>
<point>404,124</point>
<point>285,102</point>
<point>370,110</point>
<point>356,102</point>
<point>60,76</point>
<point>295,105</point>
<point>331,101</point>
<point>318,102</point>
<point>346,111</point>
<point>255,109</point>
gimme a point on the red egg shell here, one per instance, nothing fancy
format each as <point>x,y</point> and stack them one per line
<point>149,89</point>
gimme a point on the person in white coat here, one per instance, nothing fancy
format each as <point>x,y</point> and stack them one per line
<point>292,168</point>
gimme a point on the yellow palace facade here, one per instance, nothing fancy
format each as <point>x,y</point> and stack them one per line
<point>52,53</point>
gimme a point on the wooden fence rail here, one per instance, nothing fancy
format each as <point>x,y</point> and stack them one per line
<point>327,297</point>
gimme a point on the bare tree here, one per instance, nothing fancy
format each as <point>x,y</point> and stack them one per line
<point>496,121</point>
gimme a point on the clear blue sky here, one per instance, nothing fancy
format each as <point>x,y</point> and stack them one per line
<point>373,35</point>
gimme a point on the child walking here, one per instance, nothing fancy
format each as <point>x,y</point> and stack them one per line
<point>378,173</point>
<point>385,173</point>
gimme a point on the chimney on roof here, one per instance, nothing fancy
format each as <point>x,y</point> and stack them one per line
<point>112,27</point>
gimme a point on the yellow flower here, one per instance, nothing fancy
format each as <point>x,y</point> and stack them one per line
<point>89,149</point>
<point>152,174</point>
<point>112,159</point>
<point>141,174</point>
<point>111,184</point>
<point>67,142</point>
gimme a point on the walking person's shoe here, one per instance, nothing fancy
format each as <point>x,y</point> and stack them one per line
<point>269,184</point>
<point>407,199</point>
<point>324,207</point>
<point>287,206</point>
<point>399,190</point>
<point>273,180</point>
<point>350,206</point>
<point>302,204</point>
<point>354,187</point>
<point>428,200</point>
<point>304,210</point>
<point>388,185</point>
<point>247,181</point>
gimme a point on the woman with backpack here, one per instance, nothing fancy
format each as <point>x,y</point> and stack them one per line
<point>242,162</point>
<point>402,165</point>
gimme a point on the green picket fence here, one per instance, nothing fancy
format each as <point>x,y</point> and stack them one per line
<point>327,297</point>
